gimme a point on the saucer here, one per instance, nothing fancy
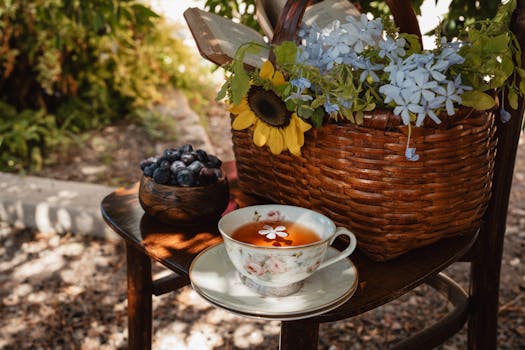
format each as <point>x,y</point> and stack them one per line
<point>214,277</point>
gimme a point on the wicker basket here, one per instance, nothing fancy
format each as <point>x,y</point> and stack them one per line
<point>358,174</point>
<point>359,177</point>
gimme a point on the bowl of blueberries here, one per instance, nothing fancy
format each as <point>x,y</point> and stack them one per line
<point>183,186</point>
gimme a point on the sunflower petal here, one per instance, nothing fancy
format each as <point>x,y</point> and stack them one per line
<point>301,124</point>
<point>261,133</point>
<point>276,141</point>
<point>300,136</point>
<point>295,150</point>
<point>291,134</point>
<point>278,78</point>
<point>267,70</point>
<point>236,109</point>
<point>244,120</point>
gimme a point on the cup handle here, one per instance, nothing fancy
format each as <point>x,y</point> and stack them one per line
<point>349,250</point>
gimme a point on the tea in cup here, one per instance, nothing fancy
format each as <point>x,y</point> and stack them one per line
<point>276,247</point>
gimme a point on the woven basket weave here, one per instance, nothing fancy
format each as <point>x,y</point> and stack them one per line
<point>359,177</point>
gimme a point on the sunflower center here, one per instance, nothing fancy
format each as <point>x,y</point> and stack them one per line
<point>268,107</point>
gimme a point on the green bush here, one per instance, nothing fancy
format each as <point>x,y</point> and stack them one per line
<point>67,66</point>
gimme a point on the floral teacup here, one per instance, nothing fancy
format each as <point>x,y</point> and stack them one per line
<point>281,270</point>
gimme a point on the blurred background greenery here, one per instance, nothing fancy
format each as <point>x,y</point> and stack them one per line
<point>70,66</point>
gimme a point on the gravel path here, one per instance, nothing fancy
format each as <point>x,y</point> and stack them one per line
<point>69,292</point>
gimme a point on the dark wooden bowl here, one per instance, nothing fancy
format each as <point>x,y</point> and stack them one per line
<point>184,205</point>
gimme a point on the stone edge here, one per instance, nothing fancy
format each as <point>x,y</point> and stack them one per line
<point>54,206</point>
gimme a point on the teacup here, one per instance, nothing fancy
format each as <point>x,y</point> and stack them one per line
<point>280,270</point>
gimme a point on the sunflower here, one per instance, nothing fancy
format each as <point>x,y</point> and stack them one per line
<point>274,125</point>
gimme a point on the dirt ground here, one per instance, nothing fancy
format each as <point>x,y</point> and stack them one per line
<point>69,292</point>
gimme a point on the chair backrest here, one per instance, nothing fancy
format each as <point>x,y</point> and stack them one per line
<point>487,253</point>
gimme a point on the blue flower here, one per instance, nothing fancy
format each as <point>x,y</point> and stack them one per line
<point>298,96</point>
<point>344,103</point>
<point>436,69</point>
<point>459,86</point>
<point>404,111</point>
<point>368,68</point>
<point>411,155</point>
<point>421,87</point>
<point>504,115</point>
<point>393,49</point>
<point>301,83</point>
<point>330,108</point>
<point>392,93</point>
<point>450,93</point>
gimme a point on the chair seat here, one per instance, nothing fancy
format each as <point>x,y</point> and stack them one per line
<point>175,248</point>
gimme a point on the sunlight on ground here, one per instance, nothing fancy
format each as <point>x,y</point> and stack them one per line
<point>208,330</point>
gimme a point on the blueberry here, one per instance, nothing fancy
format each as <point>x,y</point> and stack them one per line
<point>176,165</point>
<point>165,164</point>
<point>147,162</point>
<point>188,158</point>
<point>208,176</point>
<point>161,176</point>
<point>160,160</point>
<point>213,162</point>
<point>196,166</point>
<point>148,171</point>
<point>201,155</point>
<point>185,177</point>
<point>187,148</point>
<point>173,180</point>
<point>171,154</point>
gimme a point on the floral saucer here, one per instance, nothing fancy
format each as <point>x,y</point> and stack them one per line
<point>214,277</point>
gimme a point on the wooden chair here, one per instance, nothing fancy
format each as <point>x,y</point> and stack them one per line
<point>176,247</point>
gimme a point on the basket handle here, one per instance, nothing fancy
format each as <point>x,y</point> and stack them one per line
<point>293,11</point>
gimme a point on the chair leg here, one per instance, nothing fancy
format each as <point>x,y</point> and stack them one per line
<point>299,335</point>
<point>483,321</point>
<point>139,299</point>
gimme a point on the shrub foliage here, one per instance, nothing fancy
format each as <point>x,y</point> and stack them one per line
<point>67,66</point>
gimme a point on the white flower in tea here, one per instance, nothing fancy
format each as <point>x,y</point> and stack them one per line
<point>272,233</point>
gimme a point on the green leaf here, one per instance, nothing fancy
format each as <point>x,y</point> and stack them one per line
<point>222,92</point>
<point>477,99</point>
<point>522,86</point>
<point>414,45</point>
<point>496,44</point>
<point>285,53</point>
<point>359,117</point>
<point>305,112</point>
<point>240,84</point>
<point>512,97</point>
<point>317,118</point>
<point>369,107</point>
<point>318,101</point>
<point>290,105</point>
<point>349,115</point>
